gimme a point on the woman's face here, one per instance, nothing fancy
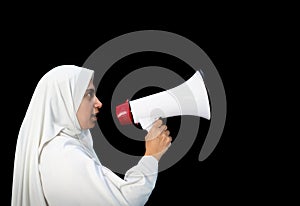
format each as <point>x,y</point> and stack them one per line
<point>88,108</point>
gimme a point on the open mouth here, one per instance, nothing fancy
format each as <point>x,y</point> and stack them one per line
<point>94,116</point>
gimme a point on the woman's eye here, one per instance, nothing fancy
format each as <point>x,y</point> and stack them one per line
<point>90,94</point>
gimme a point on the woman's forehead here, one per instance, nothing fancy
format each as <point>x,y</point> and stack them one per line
<point>91,85</point>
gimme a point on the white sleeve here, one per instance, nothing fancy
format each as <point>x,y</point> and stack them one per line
<point>71,177</point>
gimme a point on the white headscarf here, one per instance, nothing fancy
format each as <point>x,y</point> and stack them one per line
<point>52,109</point>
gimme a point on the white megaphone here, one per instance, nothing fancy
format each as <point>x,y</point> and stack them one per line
<point>189,98</point>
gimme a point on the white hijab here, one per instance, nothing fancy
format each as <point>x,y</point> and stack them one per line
<point>52,109</point>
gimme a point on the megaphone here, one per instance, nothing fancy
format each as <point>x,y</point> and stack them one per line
<point>189,98</point>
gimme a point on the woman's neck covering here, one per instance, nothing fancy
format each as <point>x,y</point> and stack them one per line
<point>52,110</point>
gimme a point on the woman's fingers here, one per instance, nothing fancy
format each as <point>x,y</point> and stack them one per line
<point>157,123</point>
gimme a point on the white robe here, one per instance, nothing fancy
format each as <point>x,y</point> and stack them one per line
<point>72,176</point>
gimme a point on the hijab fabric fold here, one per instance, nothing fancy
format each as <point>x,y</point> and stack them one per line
<point>52,110</point>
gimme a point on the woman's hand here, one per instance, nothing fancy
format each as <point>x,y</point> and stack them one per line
<point>158,140</point>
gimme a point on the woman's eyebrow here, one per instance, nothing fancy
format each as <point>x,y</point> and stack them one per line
<point>90,90</point>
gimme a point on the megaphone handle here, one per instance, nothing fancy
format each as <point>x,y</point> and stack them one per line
<point>147,123</point>
<point>149,127</point>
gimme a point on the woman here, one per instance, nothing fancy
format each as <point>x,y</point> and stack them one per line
<point>55,163</point>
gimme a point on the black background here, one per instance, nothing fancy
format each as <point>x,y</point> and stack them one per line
<point>237,172</point>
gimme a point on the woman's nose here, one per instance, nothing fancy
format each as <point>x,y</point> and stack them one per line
<point>98,104</point>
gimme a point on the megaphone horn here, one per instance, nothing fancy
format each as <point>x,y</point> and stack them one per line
<point>189,98</point>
